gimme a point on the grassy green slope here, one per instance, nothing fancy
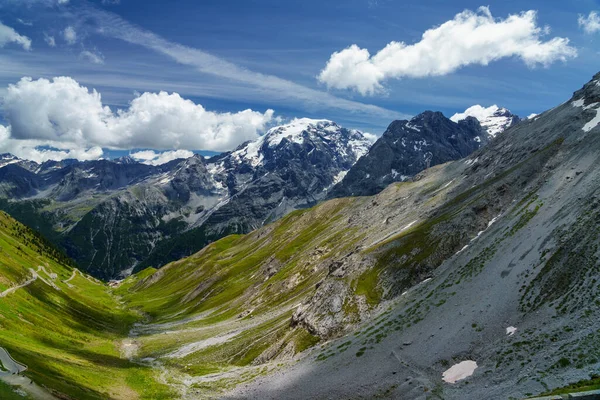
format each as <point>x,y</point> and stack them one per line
<point>67,333</point>
<point>246,287</point>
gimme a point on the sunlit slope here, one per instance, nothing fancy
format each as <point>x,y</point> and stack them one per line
<point>245,304</point>
<point>66,327</point>
<point>514,228</point>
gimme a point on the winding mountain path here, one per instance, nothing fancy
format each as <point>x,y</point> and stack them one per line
<point>26,283</point>
<point>35,276</point>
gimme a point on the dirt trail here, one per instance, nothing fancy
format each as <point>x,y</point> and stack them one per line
<point>26,283</point>
<point>34,276</point>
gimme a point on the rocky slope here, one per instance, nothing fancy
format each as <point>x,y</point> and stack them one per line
<point>407,148</point>
<point>113,216</point>
<point>491,259</point>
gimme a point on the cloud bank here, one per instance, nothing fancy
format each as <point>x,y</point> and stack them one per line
<point>151,157</point>
<point>471,38</point>
<point>63,114</point>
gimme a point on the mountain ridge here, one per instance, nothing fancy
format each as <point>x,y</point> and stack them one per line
<point>149,215</point>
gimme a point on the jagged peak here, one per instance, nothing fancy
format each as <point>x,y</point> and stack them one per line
<point>7,156</point>
<point>589,93</point>
<point>125,160</point>
<point>296,131</point>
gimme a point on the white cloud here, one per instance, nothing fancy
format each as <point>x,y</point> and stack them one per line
<point>95,57</point>
<point>276,89</point>
<point>70,35</point>
<point>151,157</point>
<point>63,1</point>
<point>591,23</point>
<point>38,151</point>
<point>62,111</point>
<point>49,40</point>
<point>9,35</point>
<point>23,22</point>
<point>471,38</point>
<point>370,137</point>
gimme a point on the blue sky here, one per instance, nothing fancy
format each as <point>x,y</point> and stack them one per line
<point>198,49</point>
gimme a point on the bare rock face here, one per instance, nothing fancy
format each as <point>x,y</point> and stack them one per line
<point>407,148</point>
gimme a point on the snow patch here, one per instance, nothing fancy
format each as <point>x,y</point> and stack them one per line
<point>338,178</point>
<point>594,122</point>
<point>413,127</point>
<point>578,103</point>
<point>459,371</point>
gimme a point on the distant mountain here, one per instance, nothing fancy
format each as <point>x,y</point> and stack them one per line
<point>290,167</point>
<point>407,148</point>
<point>493,119</point>
<point>112,216</point>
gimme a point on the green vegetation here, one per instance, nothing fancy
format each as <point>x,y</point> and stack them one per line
<point>8,392</point>
<point>68,335</point>
<point>582,386</point>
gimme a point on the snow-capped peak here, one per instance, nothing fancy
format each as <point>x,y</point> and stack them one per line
<point>294,131</point>
<point>299,129</point>
<point>493,119</point>
<point>7,159</point>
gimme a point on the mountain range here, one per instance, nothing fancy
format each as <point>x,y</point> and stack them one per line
<point>476,278</point>
<point>116,216</point>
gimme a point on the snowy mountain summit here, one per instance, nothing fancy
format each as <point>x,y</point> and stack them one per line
<point>304,131</point>
<point>493,119</point>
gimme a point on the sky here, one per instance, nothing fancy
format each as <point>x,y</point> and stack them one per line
<point>93,78</point>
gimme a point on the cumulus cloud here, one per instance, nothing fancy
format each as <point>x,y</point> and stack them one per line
<point>9,35</point>
<point>40,151</point>
<point>471,38</point>
<point>95,57</point>
<point>151,157</point>
<point>62,111</point>
<point>70,35</point>
<point>591,23</point>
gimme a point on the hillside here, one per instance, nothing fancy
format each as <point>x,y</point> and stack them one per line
<point>489,262</point>
<point>434,272</point>
<point>64,327</point>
